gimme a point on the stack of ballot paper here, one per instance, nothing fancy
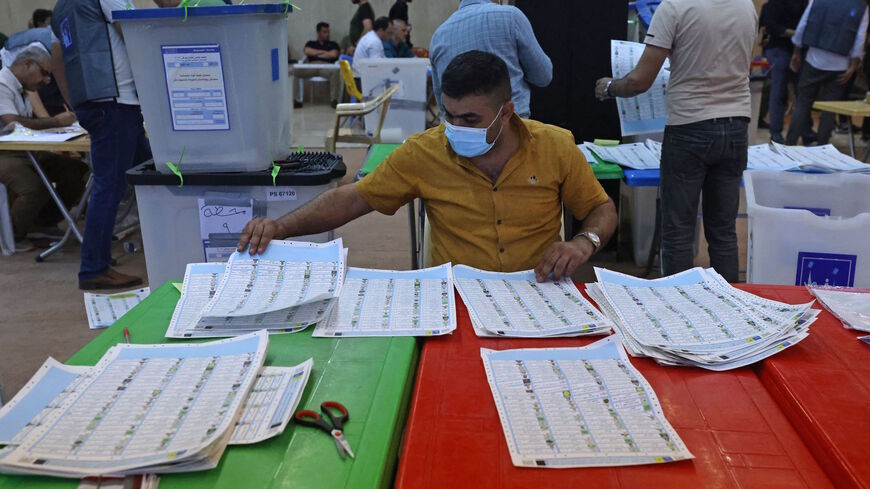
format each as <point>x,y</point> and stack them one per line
<point>148,408</point>
<point>578,407</point>
<point>104,309</point>
<point>639,156</point>
<point>286,289</point>
<point>850,306</point>
<point>825,159</point>
<point>515,304</point>
<point>696,318</point>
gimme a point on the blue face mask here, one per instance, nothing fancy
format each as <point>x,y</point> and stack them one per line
<point>471,141</point>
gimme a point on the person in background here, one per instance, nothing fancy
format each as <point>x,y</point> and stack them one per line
<point>34,215</point>
<point>834,31</point>
<point>323,51</point>
<point>399,10</point>
<point>498,29</point>
<point>493,185</point>
<point>371,45</point>
<point>395,46</point>
<point>705,144</point>
<point>40,18</point>
<point>780,21</point>
<point>108,108</point>
<point>47,101</point>
<point>360,24</point>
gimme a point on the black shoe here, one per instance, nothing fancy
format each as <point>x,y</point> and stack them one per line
<point>763,124</point>
<point>297,104</point>
<point>776,137</point>
<point>810,139</point>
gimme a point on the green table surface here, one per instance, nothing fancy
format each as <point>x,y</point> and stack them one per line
<point>379,152</point>
<point>372,377</point>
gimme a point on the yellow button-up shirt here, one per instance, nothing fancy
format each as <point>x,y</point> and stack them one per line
<point>502,226</point>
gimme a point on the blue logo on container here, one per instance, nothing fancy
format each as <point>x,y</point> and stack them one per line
<point>825,269</point>
<point>65,33</point>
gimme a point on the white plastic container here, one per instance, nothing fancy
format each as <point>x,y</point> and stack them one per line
<point>215,85</point>
<point>171,217</point>
<point>407,112</point>
<point>808,228</point>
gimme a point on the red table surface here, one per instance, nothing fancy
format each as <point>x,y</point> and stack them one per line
<point>739,436</point>
<point>823,386</point>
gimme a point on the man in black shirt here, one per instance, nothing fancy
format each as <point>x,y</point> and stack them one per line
<point>361,23</point>
<point>780,20</point>
<point>322,51</point>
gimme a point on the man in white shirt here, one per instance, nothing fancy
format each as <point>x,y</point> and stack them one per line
<point>371,45</point>
<point>109,110</point>
<point>33,214</point>
<point>709,43</point>
<point>834,31</point>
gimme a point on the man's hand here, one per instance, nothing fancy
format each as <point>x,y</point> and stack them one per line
<point>65,118</point>
<point>601,88</point>
<point>259,232</point>
<point>848,74</point>
<point>562,259</point>
<point>795,63</point>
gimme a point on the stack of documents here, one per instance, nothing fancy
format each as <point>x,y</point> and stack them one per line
<point>647,112</point>
<point>850,306</point>
<point>104,309</point>
<point>148,408</point>
<point>826,159</point>
<point>762,157</point>
<point>696,318</point>
<point>391,303</point>
<point>21,134</point>
<point>638,156</point>
<point>286,289</point>
<point>579,407</point>
<point>515,304</point>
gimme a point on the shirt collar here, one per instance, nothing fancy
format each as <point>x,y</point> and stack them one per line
<point>10,80</point>
<point>466,3</point>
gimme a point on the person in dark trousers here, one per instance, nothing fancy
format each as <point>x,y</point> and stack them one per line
<point>108,108</point>
<point>707,133</point>
<point>834,32</point>
<point>780,20</point>
<point>361,22</point>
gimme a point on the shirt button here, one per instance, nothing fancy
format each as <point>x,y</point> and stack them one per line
<point>501,250</point>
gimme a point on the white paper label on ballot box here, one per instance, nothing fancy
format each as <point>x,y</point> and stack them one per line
<point>280,194</point>
<point>195,84</point>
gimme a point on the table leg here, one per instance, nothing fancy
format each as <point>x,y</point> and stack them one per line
<point>55,197</point>
<point>851,138</point>
<point>655,246</point>
<point>72,227</point>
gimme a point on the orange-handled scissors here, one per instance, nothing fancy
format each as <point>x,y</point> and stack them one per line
<point>337,415</point>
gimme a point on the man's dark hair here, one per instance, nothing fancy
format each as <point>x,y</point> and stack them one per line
<point>322,25</point>
<point>477,73</point>
<point>381,23</point>
<point>39,16</point>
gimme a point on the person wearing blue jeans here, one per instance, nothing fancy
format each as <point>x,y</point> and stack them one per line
<point>118,143</point>
<point>707,130</point>
<point>780,19</point>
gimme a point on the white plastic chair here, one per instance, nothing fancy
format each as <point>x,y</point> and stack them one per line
<point>7,237</point>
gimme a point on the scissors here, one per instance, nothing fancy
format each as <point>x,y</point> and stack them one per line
<point>312,419</point>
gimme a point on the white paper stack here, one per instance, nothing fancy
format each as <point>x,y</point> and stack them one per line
<point>515,304</point>
<point>638,156</point>
<point>826,159</point>
<point>579,407</point>
<point>104,309</point>
<point>850,306</point>
<point>696,318</point>
<point>286,289</point>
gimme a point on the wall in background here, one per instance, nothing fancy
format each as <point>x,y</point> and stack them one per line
<point>425,17</point>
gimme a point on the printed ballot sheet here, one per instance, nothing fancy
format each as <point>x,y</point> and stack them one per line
<point>271,403</point>
<point>55,135</point>
<point>646,113</point>
<point>825,158</point>
<point>850,306</point>
<point>633,155</point>
<point>144,408</point>
<point>104,309</point>
<point>288,274</point>
<point>201,281</point>
<point>391,303</point>
<point>515,304</point>
<point>762,157</point>
<point>578,407</point>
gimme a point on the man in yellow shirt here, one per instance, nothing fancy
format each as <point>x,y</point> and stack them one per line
<point>493,184</point>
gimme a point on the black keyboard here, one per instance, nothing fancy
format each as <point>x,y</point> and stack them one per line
<point>310,162</point>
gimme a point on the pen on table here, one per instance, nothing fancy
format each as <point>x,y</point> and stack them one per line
<point>127,335</point>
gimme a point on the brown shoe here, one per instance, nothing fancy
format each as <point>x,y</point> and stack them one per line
<point>112,279</point>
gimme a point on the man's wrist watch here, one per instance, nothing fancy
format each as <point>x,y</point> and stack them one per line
<point>592,238</point>
<point>607,90</point>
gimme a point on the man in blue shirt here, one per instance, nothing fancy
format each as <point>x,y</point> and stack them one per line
<point>397,46</point>
<point>498,29</point>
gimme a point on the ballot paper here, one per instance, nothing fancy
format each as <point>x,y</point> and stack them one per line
<point>762,157</point>
<point>584,148</point>
<point>655,147</point>
<point>647,112</point>
<point>287,288</point>
<point>633,155</point>
<point>271,403</point>
<point>696,318</point>
<point>144,408</point>
<point>850,306</point>
<point>825,158</point>
<point>579,407</point>
<point>54,135</point>
<point>104,309</point>
<point>201,281</point>
<point>391,303</point>
<point>515,304</point>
